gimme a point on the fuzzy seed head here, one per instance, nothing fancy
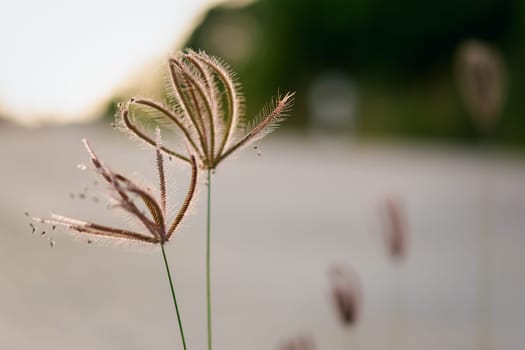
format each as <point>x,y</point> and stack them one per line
<point>158,228</point>
<point>206,107</point>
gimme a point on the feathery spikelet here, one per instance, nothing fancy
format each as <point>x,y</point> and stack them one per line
<point>346,293</point>
<point>158,228</point>
<point>396,235</point>
<point>206,107</point>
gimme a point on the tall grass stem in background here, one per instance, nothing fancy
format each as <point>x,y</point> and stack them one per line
<point>395,231</point>
<point>484,273</point>
<point>482,79</point>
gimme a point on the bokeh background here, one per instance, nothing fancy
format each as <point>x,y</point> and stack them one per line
<point>412,105</point>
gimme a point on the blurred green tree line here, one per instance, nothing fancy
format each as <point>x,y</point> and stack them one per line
<point>397,57</point>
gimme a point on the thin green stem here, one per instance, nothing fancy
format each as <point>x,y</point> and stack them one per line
<point>208,284</point>
<point>174,297</point>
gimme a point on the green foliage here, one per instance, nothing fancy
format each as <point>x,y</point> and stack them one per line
<point>400,56</point>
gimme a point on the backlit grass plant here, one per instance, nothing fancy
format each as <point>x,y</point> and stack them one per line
<point>158,227</point>
<point>204,108</point>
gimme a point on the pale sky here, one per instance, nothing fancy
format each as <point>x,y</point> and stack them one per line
<point>60,60</point>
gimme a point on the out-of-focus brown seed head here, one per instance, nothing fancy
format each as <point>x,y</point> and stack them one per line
<point>395,230</point>
<point>481,77</point>
<point>303,341</point>
<point>346,292</point>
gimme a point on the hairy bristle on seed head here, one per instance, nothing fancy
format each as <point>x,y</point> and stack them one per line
<point>124,191</point>
<point>207,106</point>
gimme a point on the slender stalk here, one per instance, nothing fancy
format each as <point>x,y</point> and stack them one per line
<point>174,297</point>
<point>208,284</point>
<point>484,259</point>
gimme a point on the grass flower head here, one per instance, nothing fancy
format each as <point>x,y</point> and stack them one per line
<point>157,227</point>
<point>206,106</point>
